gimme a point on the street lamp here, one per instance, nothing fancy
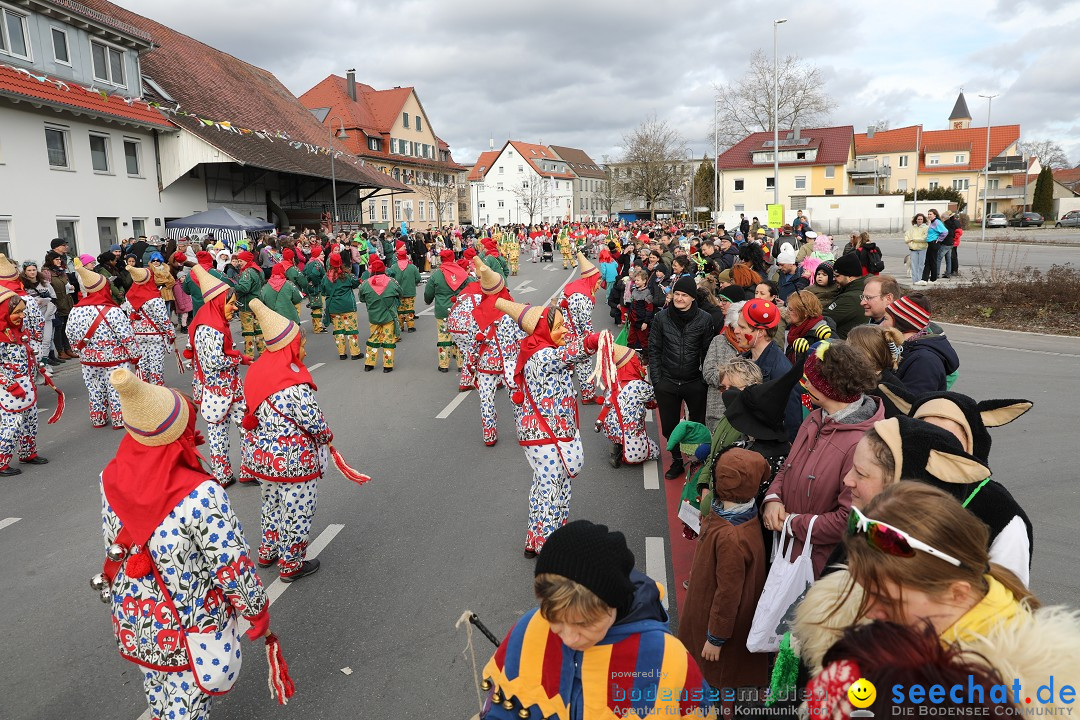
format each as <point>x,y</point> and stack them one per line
<point>986,169</point>
<point>333,175</point>
<point>691,152</point>
<point>775,114</point>
<point>716,160</point>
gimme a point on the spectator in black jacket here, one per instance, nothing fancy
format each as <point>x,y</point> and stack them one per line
<point>947,249</point>
<point>678,341</point>
<point>728,254</point>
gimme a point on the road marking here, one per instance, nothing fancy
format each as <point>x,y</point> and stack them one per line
<point>656,564</point>
<point>550,268</point>
<point>8,521</point>
<point>277,588</point>
<point>429,311</point>
<point>316,366</point>
<point>452,406</point>
<point>1016,349</point>
<point>651,470</point>
<point>523,287</point>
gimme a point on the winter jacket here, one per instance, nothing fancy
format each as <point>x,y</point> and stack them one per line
<point>915,237</point>
<point>676,355</point>
<point>811,481</point>
<point>720,352</point>
<point>282,301</point>
<point>643,303</point>
<point>925,364</point>
<point>787,284</point>
<point>726,259</point>
<point>936,231</point>
<point>846,310</point>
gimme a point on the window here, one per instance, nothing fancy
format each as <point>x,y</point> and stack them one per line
<point>397,211</point>
<point>502,203</point>
<point>769,182</point>
<point>830,171</point>
<point>901,185</point>
<point>405,120</point>
<point>521,168</point>
<point>56,142</point>
<point>138,226</point>
<point>481,204</point>
<point>934,184</point>
<point>371,211</point>
<point>903,161</point>
<point>830,191</point>
<point>5,236</point>
<point>99,153</point>
<point>60,47</point>
<point>393,145</point>
<point>13,34</point>
<point>385,213</point>
<point>68,230</point>
<point>500,169</point>
<point>959,158</point>
<point>800,182</point>
<point>419,123</point>
<point>740,208</point>
<point>499,186</point>
<point>800,156</point>
<point>108,63</point>
<point>396,173</point>
<point>740,185</point>
<point>963,184</point>
<point>374,144</point>
<point>421,215</point>
<point>933,159</point>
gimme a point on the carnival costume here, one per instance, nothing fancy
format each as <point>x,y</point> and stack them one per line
<point>177,572</point>
<point>338,285</point>
<point>623,416</point>
<point>33,325</point>
<point>382,295</point>
<point>18,392</point>
<point>493,258</point>
<point>102,335</point>
<point>249,282</point>
<point>314,272</point>
<point>216,378</point>
<point>547,413</point>
<point>408,277</point>
<point>577,303</point>
<point>285,444</point>
<point>443,288</point>
<point>154,331</point>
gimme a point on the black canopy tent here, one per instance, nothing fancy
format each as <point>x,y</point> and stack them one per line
<point>226,225</point>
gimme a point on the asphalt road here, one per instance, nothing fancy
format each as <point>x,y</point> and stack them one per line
<point>438,531</point>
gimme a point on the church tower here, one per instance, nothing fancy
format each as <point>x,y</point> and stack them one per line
<point>960,119</point>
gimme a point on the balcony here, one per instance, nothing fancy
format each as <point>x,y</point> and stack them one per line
<point>868,168</point>
<point>1002,193</point>
<point>1008,164</point>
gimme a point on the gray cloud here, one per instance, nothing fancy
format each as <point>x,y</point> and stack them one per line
<point>585,73</point>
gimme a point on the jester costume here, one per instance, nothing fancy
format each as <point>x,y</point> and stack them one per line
<point>154,331</point>
<point>285,444</point>
<point>249,282</point>
<point>382,295</point>
<point>337,288</point>
<point>18,392</point>
<point>493,258</point>
<point>566,248</point>
<point>178,572</point>
<point>637,670</point>
<point>33,325</point>
<point>216,377</point>
<point>102,335</point>
<point>577,303</point>
<point>442,288</point>
<point>408,277</point>
<point>623,416</point>
<point>547,413</point>
<point>314,272</point>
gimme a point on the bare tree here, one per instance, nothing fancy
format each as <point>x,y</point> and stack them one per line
<point>746,105</point>
<point>653,152</point>
<point>441,192</point>
<point>1048,152</point>
<point>878,125</point>
<point>534,196</point>
<point>609,189</point>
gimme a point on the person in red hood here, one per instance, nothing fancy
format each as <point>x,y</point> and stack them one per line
<point>623,417</point>
<point>102,334</point>
<point>382,295</point>
<point>18,394</point>
<point>443,288</point>
<point>578,300</point>
<point>154,331</point>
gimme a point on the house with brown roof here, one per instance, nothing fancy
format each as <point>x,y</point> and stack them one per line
<point>909,157</point>
<point>391,133</point>
<point>812,161</point>
<point>589,188</point>
<point>523,183</point>
<point>77,159</point>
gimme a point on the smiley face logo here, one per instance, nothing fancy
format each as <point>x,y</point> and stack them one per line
<point>862,693</point>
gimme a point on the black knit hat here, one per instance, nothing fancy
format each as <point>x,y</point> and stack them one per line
<point>848,265</point>
<point>758,410</point>
<point>686,284</point>
<point>593,557</point>
<point>734,293</point>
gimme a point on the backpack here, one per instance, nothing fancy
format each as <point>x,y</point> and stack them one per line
<point>874,262</point>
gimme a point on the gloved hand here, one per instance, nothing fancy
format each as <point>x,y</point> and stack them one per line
<point>16,390</point>
<point>800,346</point>
<point>592,342</point>
<point>260,625</point>
<point>245,360</point>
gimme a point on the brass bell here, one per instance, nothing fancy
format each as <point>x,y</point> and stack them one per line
<point>485,685</point>
<point>99,581</point>
<point>508,704</point>
<point>116,552</point>
<point>106,595</point>
<point>523,714</point>
<point>496,698</point>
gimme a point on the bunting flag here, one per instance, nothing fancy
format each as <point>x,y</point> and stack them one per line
<point>221,125</point>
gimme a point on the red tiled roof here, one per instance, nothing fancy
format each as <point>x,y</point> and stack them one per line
<point>534,154</point>
<point>483,164</point>
<point>1067,177</point>
<point>834,148</point>
<point>970,140</point>
<point>887,141</point>
<point>16,85</point>
<point>217,86</point>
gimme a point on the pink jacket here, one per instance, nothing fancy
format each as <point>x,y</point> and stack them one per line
<point>811,480</point>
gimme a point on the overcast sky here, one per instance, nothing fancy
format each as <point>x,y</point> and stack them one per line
<point>582,73</point>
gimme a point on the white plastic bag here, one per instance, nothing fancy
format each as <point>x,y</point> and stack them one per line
<point>784,589</point>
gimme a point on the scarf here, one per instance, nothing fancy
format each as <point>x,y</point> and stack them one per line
<point>277,277</point>
<point>102,297</point>
<point>998,606</point>
<point>454,274</point>
<point>736,515</point>
<point>379,283</point>
<point>532,344</point>
<point>682,318</point>
<point>212,314</point>
<point>140,293</point>
<point>586,286</point>
<point>797,331</point>
<point>143,484</point>
<point>249,260</point>
<point>273,371</point>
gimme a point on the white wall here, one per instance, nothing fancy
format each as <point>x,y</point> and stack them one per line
<point>1062,206</point>
<point>560,200</point>
<point>35,195</point>
<point>834,214</point>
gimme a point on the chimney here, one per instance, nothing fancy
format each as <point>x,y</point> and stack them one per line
<point>351,77</point>
<point>491,143</point>
<point>796,133</point>
<point>870,132</point>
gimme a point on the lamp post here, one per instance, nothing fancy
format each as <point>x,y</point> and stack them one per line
<point>333,174</point>
<point>691,153</point>
<point>716,160</point>
<point>986,169</point>
<point>775,115</point>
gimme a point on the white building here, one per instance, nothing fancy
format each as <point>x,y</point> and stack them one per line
<point>521,183</point>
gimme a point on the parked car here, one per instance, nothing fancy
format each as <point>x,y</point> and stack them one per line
<point>1026,219</point>
<point>997,220</point>
<point>1069,219</point>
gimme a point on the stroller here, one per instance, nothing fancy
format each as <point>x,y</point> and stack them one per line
<point>547,251</point>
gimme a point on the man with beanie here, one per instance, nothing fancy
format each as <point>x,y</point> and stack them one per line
<point>382,295</point>
<point>407,275</point>
<point>788,277</point>
<point>846,309</point>
<point>598,644</point>
<point>679,339</point>
<point>928,359</point>
<point>442,288</point>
